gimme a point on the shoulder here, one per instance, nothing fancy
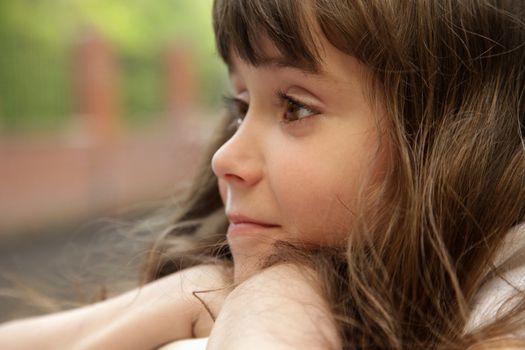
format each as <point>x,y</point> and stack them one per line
<point>285,309</point>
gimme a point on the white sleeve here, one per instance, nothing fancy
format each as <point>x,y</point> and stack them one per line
<point>491,300</point>
<point>187,344</point>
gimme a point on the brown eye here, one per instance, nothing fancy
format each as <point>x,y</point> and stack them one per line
<point>295,110</point>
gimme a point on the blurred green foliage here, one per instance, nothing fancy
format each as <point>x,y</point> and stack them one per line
<point>37,38</point>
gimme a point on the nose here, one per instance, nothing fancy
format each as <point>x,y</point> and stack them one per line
<point>238,161</point>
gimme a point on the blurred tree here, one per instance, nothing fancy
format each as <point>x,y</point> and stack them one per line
<point>34,84</point>
<point>36,41</point>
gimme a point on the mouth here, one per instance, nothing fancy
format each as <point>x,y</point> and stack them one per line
<point>243,228</point>
<point>240,224</point>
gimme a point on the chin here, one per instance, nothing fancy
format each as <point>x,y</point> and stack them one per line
<point>247,261</point>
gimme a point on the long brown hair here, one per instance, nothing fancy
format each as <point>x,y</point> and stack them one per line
<point>450,74</point>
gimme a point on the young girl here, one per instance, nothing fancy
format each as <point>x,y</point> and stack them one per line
<point>366,190</point>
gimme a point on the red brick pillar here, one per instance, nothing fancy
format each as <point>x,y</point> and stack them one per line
<point>181,82</point>
<point>96,75</point>
<point>96,80</point>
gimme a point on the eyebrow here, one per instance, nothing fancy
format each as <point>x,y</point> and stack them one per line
<point>281,62</point>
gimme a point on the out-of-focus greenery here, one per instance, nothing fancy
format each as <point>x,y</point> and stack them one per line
<point>37,39</point>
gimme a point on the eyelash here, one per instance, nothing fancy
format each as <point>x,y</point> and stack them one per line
<point>237,106</point>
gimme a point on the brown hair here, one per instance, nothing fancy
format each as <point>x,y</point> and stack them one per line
<point>450,74</point>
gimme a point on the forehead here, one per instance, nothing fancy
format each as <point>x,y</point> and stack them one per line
<point>278,62</point>
<point>271,58</point>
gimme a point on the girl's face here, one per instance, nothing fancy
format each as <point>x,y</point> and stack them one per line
<point>307,144</point>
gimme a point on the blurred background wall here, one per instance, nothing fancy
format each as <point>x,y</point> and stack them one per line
<point>105,105</point>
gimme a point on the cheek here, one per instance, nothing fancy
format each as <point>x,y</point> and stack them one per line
<point>314,199</point>
<point>319,196</point>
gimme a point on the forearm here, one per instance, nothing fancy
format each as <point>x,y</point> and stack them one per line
<point>280,308</point>
<point>124,322</point>
<point>44,332</point>
<point>144,318</point>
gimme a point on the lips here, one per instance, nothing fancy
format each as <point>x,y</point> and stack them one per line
<point>241,219</point>
<point>240,224</point>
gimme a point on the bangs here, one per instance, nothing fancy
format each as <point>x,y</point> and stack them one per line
<point>241,25</point>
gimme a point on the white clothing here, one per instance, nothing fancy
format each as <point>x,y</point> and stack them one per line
<point>493,294</point>
<point>187,344</point>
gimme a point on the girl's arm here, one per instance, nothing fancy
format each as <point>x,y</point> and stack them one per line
<point>162,311</point>
<point>279,308</point>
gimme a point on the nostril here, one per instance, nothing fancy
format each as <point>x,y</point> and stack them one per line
<point>233,177</point>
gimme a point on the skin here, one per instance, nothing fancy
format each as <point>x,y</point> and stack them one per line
<point>144,318</point>
<point>305,175</point>
<point>265,313</point>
